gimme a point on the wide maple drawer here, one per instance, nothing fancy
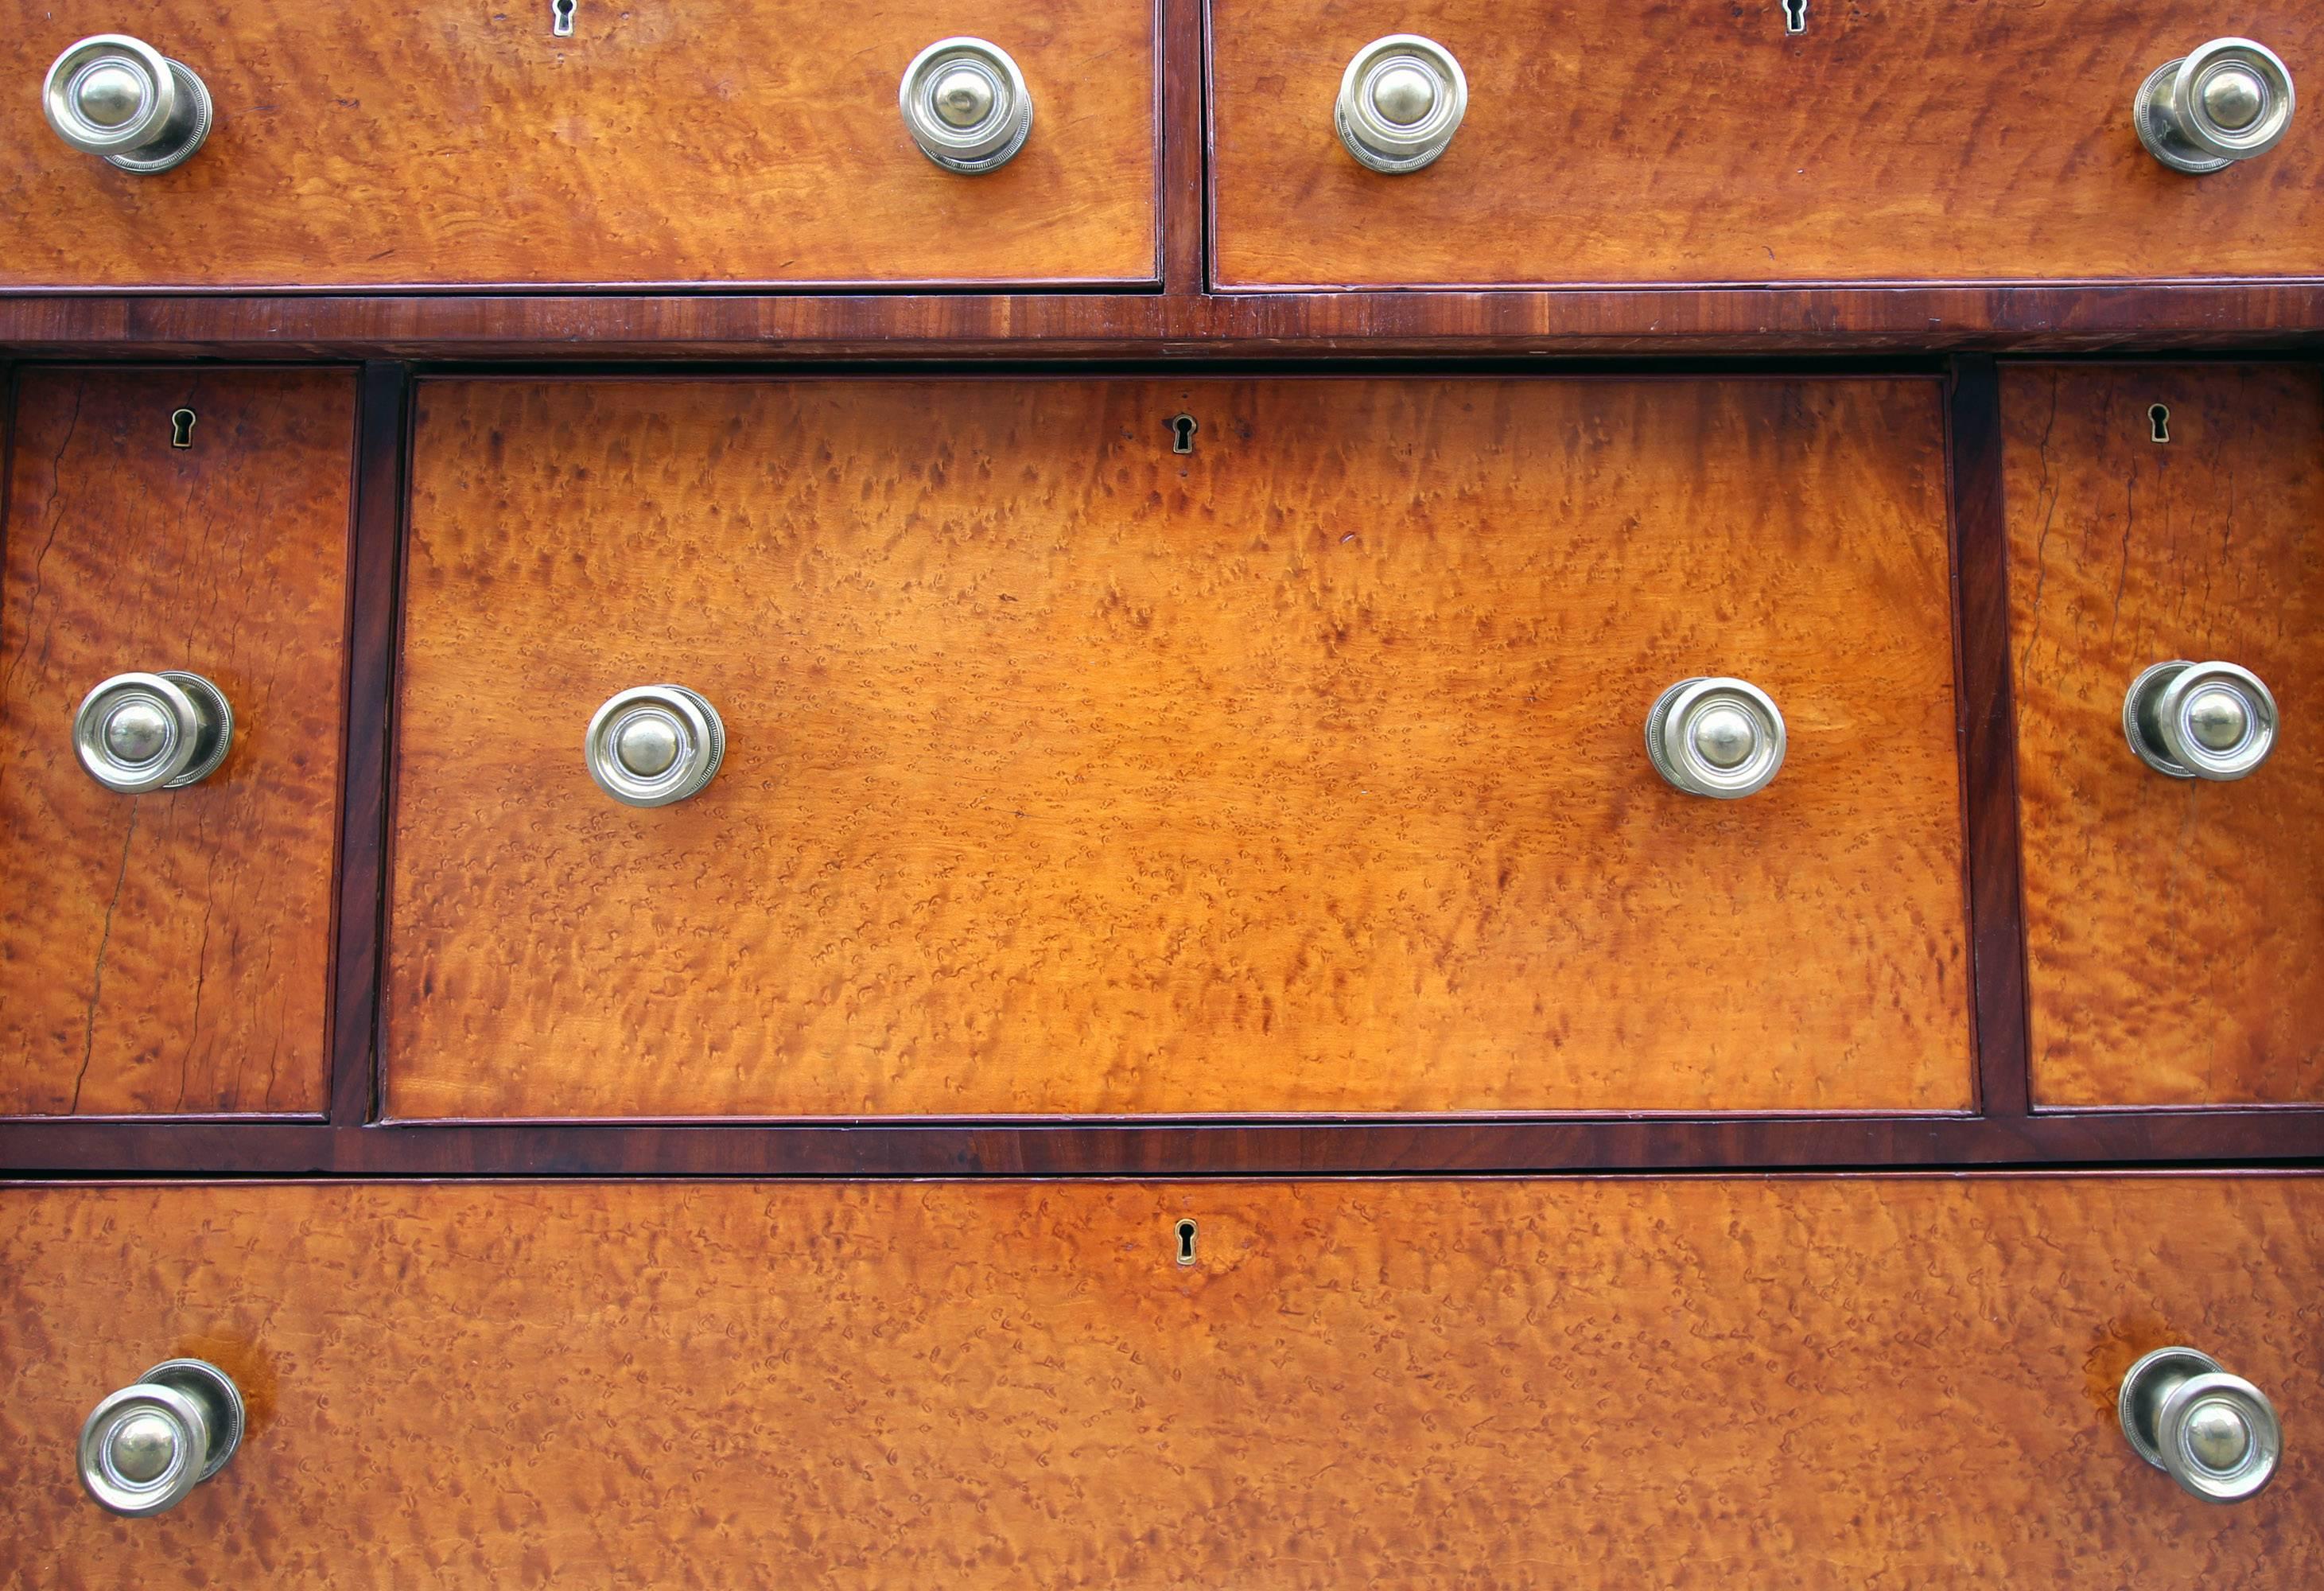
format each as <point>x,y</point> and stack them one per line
<point>1686,142</point>
<point>1813,1382</point>
<point>2164,515</point>
<point>1067,773</point>
<point>440,143</point>
<point>173,623</point>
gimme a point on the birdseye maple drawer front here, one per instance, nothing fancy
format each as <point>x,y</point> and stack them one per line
<point>440,143</point>
<point>2174,898</point>
<point>1680,142</point>
<point>1836,1383</point>
<point>171,648</point>
<point>1063,773</point>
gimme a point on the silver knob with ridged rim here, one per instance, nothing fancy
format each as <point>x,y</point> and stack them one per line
<point>143,1449</point>
<point>1401,100</point>
<point>1716,738</point>
<point>2200,720</point>
<point>136,733</point>
<point>2216,1434</point>
<point>966,105</point>
<point>2227,101</point>
<point>113,96</point>
<point>653,744</point>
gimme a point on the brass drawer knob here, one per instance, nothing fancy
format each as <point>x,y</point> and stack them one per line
<point>2226,102</point>
<point>2216,1434</point>
<point>1721,738</point>
<point>147,1446</point>
<point>2200,720</point>
<point>654,744</point>
<point>136,733</point>
<point>113,96</point>
<point>966,105</point>
<point>1401,100</point>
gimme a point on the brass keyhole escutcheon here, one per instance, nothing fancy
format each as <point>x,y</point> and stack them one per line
<point>1183,428</point>
<point>181,428</point>
<point>1186,1233</point>
<point>2159,419</point>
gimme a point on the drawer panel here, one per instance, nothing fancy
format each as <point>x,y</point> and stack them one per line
<point>168,951</point>
<point>1679,141</point>
<point>2173,926</point>
<point>1837,1383</point>
<point>1068,774</point>
<point>435,143</point>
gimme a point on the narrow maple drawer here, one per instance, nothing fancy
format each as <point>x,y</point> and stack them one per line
<point>2166,595</point>
<point>995,757</point>
<point>173,622</point>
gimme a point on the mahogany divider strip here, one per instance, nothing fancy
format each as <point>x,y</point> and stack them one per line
<point>382,422</point>
<point>1988,740</point>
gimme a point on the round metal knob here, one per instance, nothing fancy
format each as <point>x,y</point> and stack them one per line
<point>2216,1434</point>
<point>655,745</point>
<point>966,105</point>
<point>1721,738</point>
<point>2200,720</point>
<point>2226,102</point>
<point>118,96</point>
<point>1401,100</point>
<point>141,732</point>
<point>145,1446</point>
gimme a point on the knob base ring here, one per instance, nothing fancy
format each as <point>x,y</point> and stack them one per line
<point>187,129</point>
<point>2146,1384</point>
<point>2160,133</point>
<point>221,1403</point>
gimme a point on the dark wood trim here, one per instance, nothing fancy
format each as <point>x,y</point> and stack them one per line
<point>2146,1138</point>
<point>1988,737</point>
<point>383,426</point>
<point>1839,319</point>
<point>1184,112</point>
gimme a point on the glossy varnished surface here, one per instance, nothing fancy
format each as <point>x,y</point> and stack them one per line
<point>168,952</point>
<point>437,143</point>
<point>1815,1384</point>
<point>2173,926</point>
<point>1068,775</point>
<point>1692,140</point>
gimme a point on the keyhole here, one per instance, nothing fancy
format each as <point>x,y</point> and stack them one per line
<point>560,14</point>
<point>2159,417</point>
<point>1795,17</point>
<point>181,428</point>
<point>1182,434</point>
<point>1186,1243</point>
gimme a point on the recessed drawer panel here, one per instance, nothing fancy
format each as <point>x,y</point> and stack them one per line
<point>1818,1383</point>
<point>1702,141</point>
<point>2174,922</point>
<point>172,651</point>
<point>1064,772</point>
<point>435,143</point>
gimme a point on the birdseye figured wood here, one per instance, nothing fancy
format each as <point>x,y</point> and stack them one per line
<point>2172,926</point>
<point>1694,141</point>
<point>437,143</point>
<point>168,952</point>
<point>1068,775</point>
<point>1816,1384</point>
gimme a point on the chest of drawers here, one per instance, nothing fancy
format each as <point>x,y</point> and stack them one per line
<point>1197,795</point>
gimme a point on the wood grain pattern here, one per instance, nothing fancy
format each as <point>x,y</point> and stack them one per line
<point>1692,140</point>
<point>168,952</point>
<point>1817,1383</point>
<point>1069,776</point>
<point>579,328</point>
<point>733,142</point>
<point>2173,926</point>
